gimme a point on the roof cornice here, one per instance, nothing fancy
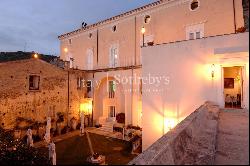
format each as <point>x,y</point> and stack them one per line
<point>106,21</point>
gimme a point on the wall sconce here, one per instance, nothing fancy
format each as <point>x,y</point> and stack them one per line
<point>143,30</point>
<point>213,70</point>
<point>35,55</point>
<point>66,50</point>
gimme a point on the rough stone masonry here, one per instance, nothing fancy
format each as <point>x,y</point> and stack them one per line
<point>17,100</point>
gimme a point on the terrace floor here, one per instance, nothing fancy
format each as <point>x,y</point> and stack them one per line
<point>233,137</point>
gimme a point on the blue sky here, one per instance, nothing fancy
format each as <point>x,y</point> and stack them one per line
<point>35,24</point>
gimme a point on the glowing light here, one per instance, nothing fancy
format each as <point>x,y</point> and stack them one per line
<point>86,106</point>
<point>169,123</point>
<point>35,56</point>
<point>66,50</point>
<point>143,30</point>
<point>170,120</point>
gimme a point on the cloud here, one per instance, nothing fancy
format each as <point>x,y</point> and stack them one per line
<point>39,22</point>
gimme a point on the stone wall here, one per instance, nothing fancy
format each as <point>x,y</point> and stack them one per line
<point>17,101</point>
<point>190,142</point>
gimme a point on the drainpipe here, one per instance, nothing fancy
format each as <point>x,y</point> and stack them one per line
<point>234,16</point>
<point>68,101</point>
<point>93,97</point>
<point>135,40</point>
<point>97,46</point>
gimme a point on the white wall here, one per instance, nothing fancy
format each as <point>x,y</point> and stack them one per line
<point>187,67</point>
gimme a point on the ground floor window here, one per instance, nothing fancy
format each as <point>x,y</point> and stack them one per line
<point>112,111</point>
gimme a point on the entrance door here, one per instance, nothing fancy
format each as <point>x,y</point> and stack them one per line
<point>233,86</point>
<point>112,113</point>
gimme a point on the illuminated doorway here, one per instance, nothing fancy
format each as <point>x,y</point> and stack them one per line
<point>233,87</point>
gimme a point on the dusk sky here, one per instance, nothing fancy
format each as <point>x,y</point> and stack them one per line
<point>35,24</point>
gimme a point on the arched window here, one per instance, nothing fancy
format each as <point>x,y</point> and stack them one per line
<point>194,5</point>
<point>147,19</point>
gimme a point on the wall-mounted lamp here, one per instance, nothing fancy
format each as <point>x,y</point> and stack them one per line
<point>35,55</point>
<point>66,50</point>
<point>213,70</point>
<point>143,30</point>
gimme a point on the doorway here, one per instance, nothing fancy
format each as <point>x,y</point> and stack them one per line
<point>233,87</point>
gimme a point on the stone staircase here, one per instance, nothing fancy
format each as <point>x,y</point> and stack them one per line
<point>107,124</point>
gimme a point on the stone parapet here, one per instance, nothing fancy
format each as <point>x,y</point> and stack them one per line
<point>192,141</point>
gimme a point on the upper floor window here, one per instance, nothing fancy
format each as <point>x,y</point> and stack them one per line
<point>113,58</point>
<point>191,36</point>
<point>147,19</point>
<point>114,28</point>
<point>194,5</point>
<point>89,60</point>
<point>112,88</point>
<point>195,31</point>
<point>70,41</point>
<point>90,35</point>
<point>34,82</point>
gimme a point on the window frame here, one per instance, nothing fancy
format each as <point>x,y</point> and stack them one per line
<point>38,84</point>
<point>190,5</point>
<point>114,56</point>
<point>145,19</point>
<point>90,59</point>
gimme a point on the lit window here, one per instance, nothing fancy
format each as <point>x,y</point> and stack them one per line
<point>113,61</point>
<point>194,5</point>
<point>112,88</point>
<point>34,82</point>
<point>147,19</point>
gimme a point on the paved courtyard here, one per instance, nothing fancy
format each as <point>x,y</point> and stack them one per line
<point>233,137</point>
<point>75,150</point>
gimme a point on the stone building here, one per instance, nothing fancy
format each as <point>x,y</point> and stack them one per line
<point>111,50</point>
<point>33,89</point>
